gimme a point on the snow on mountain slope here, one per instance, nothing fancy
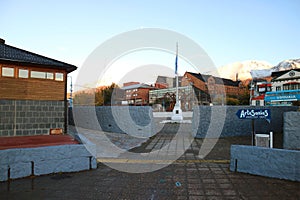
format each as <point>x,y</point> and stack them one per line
<point>244,68</point>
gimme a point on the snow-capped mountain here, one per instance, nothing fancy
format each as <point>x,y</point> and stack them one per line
<point>287,65</point>
<point>258,69</point>
<point>242,69</point>
<point>282,66</point>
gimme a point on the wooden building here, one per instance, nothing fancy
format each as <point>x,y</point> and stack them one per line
<point>33,92</point>
<point>210,89</point>
<point>136,93</point>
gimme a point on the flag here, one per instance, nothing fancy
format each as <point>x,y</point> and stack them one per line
<point>176,66</point>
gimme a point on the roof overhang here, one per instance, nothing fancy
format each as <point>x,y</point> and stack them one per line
<point>68,68</point>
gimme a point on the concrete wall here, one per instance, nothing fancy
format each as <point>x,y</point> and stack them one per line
<point>291,130</point>
<point>28,117</point>
<point>275,163</point>
<point>138,120</point>
<point>205,117</point>
<point>134,120</point>
<point>19,163</point>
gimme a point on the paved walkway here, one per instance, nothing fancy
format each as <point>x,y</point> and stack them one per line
<point>190,177</point>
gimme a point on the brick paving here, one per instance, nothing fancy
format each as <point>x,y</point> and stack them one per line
<point>187,178</point>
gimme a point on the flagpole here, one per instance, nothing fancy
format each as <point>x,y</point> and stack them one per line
<point>177,94</point>
<point>177,112</point>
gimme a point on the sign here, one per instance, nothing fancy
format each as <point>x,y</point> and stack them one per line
<point>254,114</point>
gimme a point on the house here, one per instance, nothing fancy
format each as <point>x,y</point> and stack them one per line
<point>258,89</point>
<point>136,93</point>
<point>210,89</point>
<point>33,93</point>
<point>285,88</point>
<point>286,80</point>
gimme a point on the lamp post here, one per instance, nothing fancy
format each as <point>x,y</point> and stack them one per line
<point>71,93</point>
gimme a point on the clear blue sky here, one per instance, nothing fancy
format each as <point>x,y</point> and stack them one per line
<point>228,30</point>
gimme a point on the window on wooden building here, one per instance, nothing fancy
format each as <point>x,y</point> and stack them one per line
<point>8,72</point>
<point>59,76</point>
<point>23,73</point>
<point>42,75</point>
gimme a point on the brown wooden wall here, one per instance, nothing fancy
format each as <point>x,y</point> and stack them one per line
<point>218,89</point>
<point>32,88</point>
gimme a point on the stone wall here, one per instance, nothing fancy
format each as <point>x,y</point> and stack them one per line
<point>209,120</point>
<point>133,120</point>
<point>291,130</point>
<point>28,117</point>
<point>275,163</point>
<point>19,163</point>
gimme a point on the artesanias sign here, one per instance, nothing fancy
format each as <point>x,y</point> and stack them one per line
<point>254,114</point>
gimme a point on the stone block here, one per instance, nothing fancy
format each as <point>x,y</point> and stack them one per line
<point>44,160</point>
<point>291,133</point>
<point>3,172</point>
<point>20,169</point>
<point>61,165</point>
<point>93,163</point>
<point>275,163</point>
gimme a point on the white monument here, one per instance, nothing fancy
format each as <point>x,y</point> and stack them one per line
<point>177,112</point>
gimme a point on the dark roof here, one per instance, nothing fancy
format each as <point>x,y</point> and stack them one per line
<point>164,79</point>
<point>280,73</point>
<point>218,80</point>
<point>136,86</point>
<point>10,54</point>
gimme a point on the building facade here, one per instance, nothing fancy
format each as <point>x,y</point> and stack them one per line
<point>33,93</point>
<point>165,99</point>
<point>285,88</point>
<point>210,89</point>
<point>136,93</point>
<point>258,89</point>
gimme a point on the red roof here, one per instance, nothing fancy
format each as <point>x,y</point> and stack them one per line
<point>291,83</point>
<point>261,97</point>
<point>265,85</point>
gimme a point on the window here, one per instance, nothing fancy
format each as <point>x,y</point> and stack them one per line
<point>286,87</point>
<point>59,76</point>
<point>43,75</point>
<point>49,75</point>
<point>8,71</point>
<point>257,103</point>
<point>23,73</point>
<point>278,88</point>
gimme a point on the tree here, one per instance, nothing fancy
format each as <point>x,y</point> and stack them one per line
<point>98,97</point>
<point>103,95</point>
<point>83,98</point>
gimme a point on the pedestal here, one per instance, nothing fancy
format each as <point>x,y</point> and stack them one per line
<point>177,112</point>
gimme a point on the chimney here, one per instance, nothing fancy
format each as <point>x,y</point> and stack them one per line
<point>2,41</point>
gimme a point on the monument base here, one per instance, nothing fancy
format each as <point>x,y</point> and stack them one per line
<point>177,113</point>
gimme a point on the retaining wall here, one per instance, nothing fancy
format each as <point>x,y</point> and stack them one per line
<point>291,130</point>
<point>19,163</point>
<point>275,163</point>
<point>223,120</point>
<point>28,117</point>
<point>136,120</point>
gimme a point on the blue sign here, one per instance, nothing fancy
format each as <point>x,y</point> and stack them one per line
<point>254,114</point>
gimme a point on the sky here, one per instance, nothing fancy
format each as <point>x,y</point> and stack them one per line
<point>228,30</point>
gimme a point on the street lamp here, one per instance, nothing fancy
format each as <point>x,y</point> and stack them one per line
<point>71,93</point>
